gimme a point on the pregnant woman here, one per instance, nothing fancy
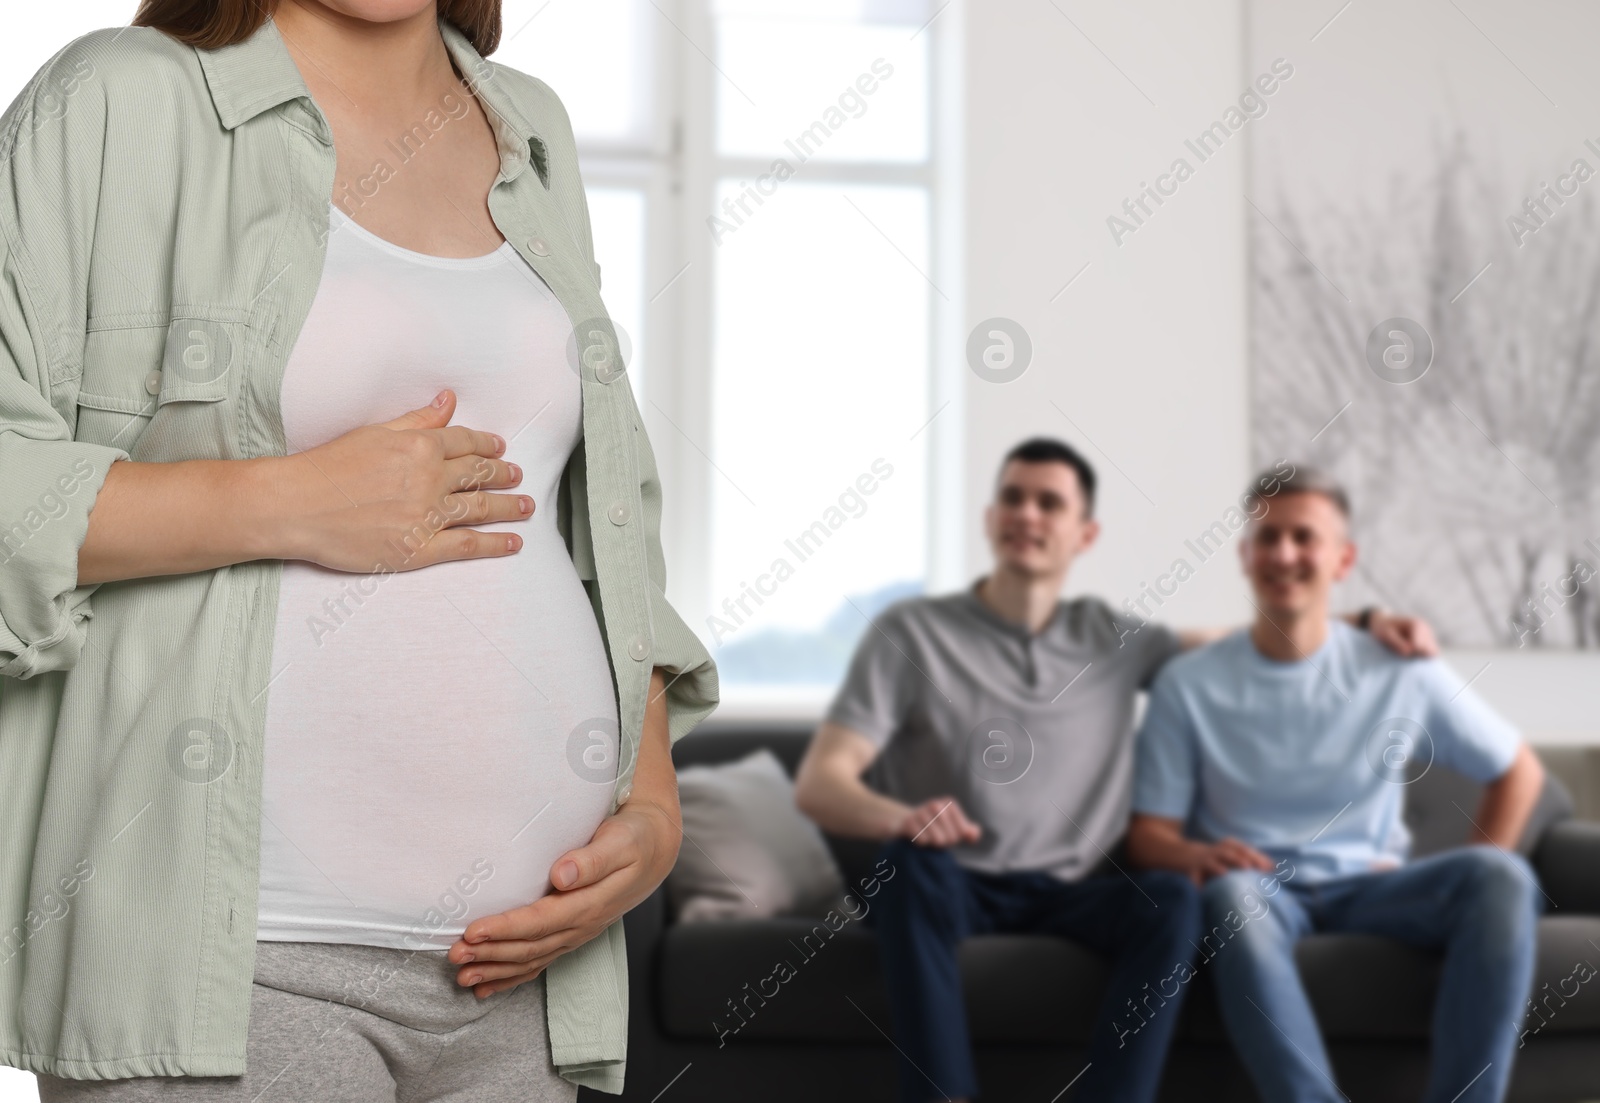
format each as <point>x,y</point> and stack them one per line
<point>339,681</point>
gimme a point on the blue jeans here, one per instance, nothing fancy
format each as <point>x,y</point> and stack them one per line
<point>1479,905</point>
<point>1146,924</point>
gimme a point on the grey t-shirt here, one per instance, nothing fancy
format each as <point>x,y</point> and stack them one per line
<point>1032,734</point>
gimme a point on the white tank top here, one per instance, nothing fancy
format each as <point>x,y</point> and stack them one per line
<point>435,738</point>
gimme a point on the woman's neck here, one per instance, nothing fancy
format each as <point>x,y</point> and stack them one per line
<point>396,65</point>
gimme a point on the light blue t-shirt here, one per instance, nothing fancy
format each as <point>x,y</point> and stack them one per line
<point>1308,760</point>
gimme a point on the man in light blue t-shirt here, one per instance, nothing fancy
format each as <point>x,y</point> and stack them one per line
<point>1271,768</point>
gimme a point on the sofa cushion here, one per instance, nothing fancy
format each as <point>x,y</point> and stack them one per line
<point>1566,981</point>
<point>728,981</point>
<point>1568,861</point>
<point>748,852</point>
<point>730,978</point>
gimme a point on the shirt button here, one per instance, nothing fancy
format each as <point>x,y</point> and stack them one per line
<point>606,371</point>
<point>538,246</point>
<point>639,649</point>
<point>152,382</point>
<point>619,513</point>
<point>624,793</point>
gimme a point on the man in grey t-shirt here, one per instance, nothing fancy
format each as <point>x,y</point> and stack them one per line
<point>988,735</point>
<point>1029,732</point>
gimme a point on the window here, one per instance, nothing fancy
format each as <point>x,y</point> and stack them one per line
<point>616,117</point>
<point>764,194</point>
<point>821,312</point>
<point>819,387</point>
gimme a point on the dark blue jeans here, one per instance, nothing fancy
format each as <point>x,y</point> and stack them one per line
<point>1146,924</point>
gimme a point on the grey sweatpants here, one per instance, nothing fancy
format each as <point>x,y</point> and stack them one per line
<point>364,1024</point>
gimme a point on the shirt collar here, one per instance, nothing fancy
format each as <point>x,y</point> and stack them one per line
<point>258,74</point>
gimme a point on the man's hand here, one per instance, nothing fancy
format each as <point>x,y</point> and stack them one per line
<point>1157,842</point>
<point>1411,637</point>
<point>1207,860</point>
<point>631,853</point>
<point>939,822</point>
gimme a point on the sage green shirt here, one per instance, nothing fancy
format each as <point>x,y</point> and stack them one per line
<point>163,223</point>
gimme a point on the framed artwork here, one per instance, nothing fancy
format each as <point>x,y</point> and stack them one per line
<point>1423,209</point>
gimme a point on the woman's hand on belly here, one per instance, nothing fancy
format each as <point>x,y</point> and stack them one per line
<point>389,497</point>
<point>631,853</point>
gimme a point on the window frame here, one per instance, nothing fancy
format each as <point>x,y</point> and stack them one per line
<point>679,170</point>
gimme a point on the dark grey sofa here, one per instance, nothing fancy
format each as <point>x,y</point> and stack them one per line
<point>1032,999</point>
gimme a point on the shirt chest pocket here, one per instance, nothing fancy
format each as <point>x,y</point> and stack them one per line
<point>162,393</point>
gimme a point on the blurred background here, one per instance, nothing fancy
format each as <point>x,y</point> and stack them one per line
<point>1387,264</point>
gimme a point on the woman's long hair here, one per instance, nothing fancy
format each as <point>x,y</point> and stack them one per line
<point>209,24</point>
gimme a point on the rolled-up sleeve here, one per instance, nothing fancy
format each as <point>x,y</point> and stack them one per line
<point>48,481</point>
<point>48,485</point>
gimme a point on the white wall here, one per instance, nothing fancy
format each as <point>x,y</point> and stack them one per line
<point>1065,116</point>
<point>1144,353</point>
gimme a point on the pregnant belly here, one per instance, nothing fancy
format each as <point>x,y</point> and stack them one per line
<point>432,748</point>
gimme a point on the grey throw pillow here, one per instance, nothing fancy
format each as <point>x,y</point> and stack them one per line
<point>747,852</point>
